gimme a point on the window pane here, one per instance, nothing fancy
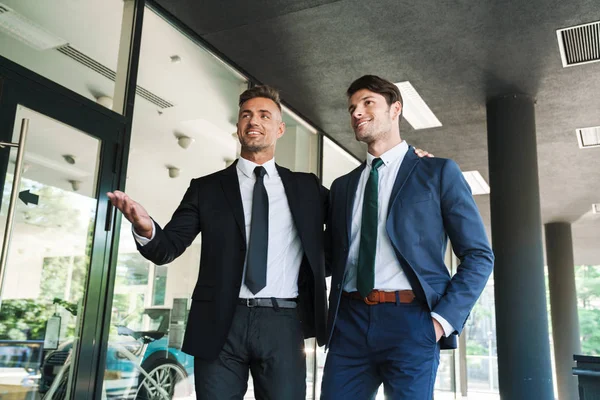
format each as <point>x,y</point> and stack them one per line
<point>336,162</point>
<point>482,360</point>
<point>297,149</point>
<point>73,43</point>
<point>196,99</point>
<point>588,300</point>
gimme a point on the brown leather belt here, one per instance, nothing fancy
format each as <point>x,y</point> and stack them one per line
<point>377,296</point>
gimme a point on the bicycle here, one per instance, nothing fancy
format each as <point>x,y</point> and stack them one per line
<point>159,383</point>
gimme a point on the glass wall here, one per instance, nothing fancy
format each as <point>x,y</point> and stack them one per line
<point>482,356</point>
<point>336,162</point>
<point>49,256</point>
<point>187,135</point>
<point>298,148</point>
<point>587,279</point>
<point>73,43</point>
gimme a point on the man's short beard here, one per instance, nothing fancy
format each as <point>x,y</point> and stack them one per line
<point>253,148</point>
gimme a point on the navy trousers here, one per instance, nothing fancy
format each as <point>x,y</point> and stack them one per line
<point>390,343</point>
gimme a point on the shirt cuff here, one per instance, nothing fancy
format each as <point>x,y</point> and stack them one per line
<point>448,329</point>
<point>142,241</point>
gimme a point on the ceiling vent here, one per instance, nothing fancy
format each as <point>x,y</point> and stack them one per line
<point>579,44</point>
<point>588,137</point>
<point>94,65</point>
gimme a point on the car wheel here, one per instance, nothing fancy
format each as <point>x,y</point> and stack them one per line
<point>169,376</point>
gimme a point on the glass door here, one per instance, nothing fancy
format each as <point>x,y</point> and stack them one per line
<point>57,160</point>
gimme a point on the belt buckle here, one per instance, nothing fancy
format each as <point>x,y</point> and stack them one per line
<point>251,302</point>
<point>370,302</point>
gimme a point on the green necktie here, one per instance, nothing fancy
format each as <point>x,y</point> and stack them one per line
<point>365,279</point>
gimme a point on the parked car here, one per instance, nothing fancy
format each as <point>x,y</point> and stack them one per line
<point>128,351</point>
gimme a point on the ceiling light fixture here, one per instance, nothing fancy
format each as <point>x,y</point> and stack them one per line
<point>105,101</point>
<point>478,185</point>
<point>184,141</point>
<point>415,110</point>
<point>27,31</point>
<point>596,208</point>
<point>588,137</point>
<point>70,159</point>
<point>173,171</point>
<point>75,184</point>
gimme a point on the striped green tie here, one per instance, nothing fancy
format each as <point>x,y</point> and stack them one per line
<point>365,279</point>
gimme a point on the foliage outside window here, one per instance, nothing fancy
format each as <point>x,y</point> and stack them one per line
<point>587,280</point>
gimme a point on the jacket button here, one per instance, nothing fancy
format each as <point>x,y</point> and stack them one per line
<point>339,286</point>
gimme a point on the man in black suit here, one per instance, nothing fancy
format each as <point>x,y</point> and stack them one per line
<point>261,285</point>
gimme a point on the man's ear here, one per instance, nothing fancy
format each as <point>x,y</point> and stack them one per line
<point>281,130</point>
<point>396,109</point>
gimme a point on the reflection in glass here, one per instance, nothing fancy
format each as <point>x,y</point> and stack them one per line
<point>48,258</point>
<point>73,43</point>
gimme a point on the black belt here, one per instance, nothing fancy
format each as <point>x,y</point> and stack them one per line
<point>269,302</point>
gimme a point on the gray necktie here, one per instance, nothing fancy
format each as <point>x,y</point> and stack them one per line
<point>256,263</point>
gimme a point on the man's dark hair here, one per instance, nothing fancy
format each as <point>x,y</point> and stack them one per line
<point>264,91</point>
<point>377,85</point>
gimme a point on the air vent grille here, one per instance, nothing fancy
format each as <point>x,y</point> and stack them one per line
<point>588,137</point>
<point>87,61</point>
<point>94,65</point>
<point>579,44</point>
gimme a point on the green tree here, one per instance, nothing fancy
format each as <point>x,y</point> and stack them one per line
<point>587,278</point>
<point>24,319</point>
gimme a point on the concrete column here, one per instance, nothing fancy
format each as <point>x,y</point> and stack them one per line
<point>563,305</point>
<point>521,318</point>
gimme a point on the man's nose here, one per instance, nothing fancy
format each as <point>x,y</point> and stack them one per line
<point>254,120</point>
<point>357,113</point>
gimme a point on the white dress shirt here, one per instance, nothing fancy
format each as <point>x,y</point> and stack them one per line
<point>284,253</point>
<point>389,275</point>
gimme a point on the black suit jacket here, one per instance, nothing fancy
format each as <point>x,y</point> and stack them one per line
<point>212,205</point>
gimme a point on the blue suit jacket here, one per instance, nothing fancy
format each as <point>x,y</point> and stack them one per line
<point>430,202</point>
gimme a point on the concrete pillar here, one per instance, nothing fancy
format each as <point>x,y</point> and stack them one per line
<point>563,306</point>
<point>521,318</point>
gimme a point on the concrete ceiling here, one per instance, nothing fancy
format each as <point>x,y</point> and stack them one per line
<point>456,54</point>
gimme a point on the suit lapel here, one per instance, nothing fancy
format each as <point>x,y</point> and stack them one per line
<point>353,179</point>
<point>231,187</point>
<point>407,166</point>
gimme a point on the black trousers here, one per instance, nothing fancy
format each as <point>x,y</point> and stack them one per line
<point>265,342</point>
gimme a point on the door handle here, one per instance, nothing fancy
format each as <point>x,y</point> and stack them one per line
<point>10,214</point>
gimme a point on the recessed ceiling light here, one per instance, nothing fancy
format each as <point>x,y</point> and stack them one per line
<point>596,208</point>
<point>588,137</point>
<point>478,184</point>
<point>27,31</point>
<point>415,110</point>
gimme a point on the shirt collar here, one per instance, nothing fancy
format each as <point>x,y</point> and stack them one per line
<point>247,167</point>
<point>390,156</point>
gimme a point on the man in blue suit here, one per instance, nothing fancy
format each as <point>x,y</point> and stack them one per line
<point>393,303</point>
